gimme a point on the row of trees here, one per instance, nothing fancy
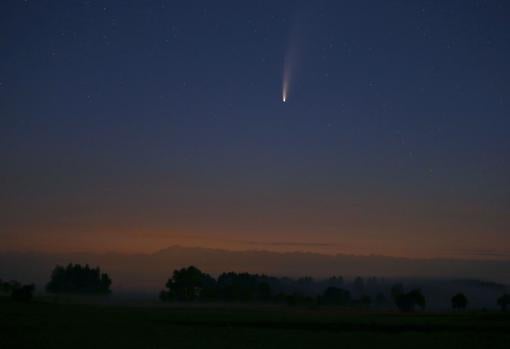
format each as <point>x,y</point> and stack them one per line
<point>191,284</point>
<point>78,279</point>
<point>17,291</point>
<point>69,279</point>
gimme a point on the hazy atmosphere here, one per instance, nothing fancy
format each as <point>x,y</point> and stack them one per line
<point>131,126</point>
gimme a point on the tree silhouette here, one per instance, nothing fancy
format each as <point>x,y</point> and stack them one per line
<point>78,279</point>
<point>244,287</point>
<point>189,284</point>
<point>17,291</point>
<point>397,290</point>
<point>359,286</point>
<point>335,296</point>
<point>504,301</point>
<point>407,301</point>
<point>9,286</point>
<point>365,300</point>
<point>264,292</point>
<point>294,299</point>
<point>380,299</point>
<point>23,293</point>
<point>418,298</point>
<point>335,281</point>
<point>5,287</point>
<point>459,301</point>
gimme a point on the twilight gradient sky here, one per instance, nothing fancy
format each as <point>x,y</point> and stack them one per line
<point>135,125</point>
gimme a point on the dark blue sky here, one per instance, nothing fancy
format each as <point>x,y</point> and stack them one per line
<point>134,125</point>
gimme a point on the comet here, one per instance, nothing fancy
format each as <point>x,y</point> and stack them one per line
<point>287,73</point>
<point>290,59</point>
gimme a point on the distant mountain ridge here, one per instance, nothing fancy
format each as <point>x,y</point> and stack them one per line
<point>150,271</point>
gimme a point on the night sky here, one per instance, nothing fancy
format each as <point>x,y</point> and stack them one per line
<point>136,125</point>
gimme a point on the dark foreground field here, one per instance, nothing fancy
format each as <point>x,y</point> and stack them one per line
<point>49,325</point>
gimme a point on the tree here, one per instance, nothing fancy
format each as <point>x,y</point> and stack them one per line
<point>8,286</point>
<point>459,301</point>
<point>5,287</point>
<point>335,281</point>
<point>372,283</point>
<point>244,287</point>
<point>23,293</point>
<point>365,300</point>
<point>305,285</point>
<point>397,290</point>
<point>504,301</point>
<point>380,299</point>
<point>407,301</point>
<point>418,298</point>
<point>264,292</point>
<point>296,298</point>
<point>17,291</point>
<point>78,279</point>
<point>359,286</point>
<point>335,296</point>
<point>189,284</point>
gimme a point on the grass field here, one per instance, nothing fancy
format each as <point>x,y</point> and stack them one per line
<point>50,325</point>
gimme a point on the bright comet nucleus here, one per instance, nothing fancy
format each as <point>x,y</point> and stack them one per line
<point>285,88</point>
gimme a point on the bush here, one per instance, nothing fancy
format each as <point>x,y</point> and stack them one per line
<point>459,301</point>
<point>504,301</point>
<point>407,301</point>
<point>23,293</point>
<point>17,291</point>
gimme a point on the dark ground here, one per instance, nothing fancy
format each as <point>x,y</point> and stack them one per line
<point>51,325</point>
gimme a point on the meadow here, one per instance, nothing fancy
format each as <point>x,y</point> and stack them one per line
<point>45,324</point>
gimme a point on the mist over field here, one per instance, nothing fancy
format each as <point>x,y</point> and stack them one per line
<point>146,274</point>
